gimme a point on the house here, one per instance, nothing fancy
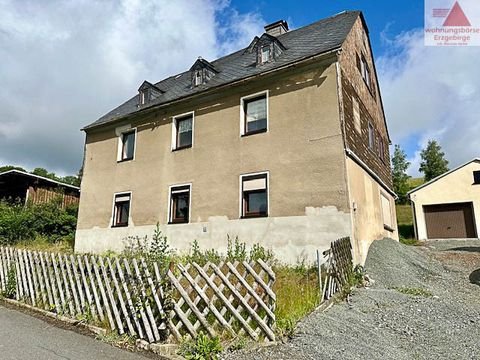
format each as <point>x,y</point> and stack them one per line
<point>283,143</point>
<point>449,205</point>
<point>16,185</point>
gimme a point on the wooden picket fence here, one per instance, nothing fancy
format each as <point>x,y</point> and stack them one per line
<point>337,267</point>
<point>135,296</point>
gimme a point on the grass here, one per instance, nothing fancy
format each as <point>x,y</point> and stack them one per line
<point>415,182</point>
<point>414,291</point>
<point>43,244</point>
<point>405,224</point>
<point>121,341</point>
<point>404,214</point>
<point>297,295</point>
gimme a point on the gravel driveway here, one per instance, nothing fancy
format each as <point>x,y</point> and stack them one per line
<point>424,304</point>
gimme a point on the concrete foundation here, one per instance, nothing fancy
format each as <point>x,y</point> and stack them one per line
<point>292,238</point>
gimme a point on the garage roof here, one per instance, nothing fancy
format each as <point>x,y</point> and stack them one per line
<point>441,176</point>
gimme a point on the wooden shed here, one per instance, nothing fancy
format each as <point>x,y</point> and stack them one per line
<point>21,186</point>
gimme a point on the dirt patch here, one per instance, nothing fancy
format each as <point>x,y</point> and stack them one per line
<point>423,305</point>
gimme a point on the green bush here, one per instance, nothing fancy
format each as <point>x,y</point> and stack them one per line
<point>25,222</point>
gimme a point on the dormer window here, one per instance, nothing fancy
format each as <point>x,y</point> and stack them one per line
<point>267,47</point>
<point>143,97</point>
<point>198,78</point>
<point>201,72</point>
<point>148,92</point>
<point>265,54</point>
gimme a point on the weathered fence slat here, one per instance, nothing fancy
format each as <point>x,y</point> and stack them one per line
<point>103,294</point>
<point>77,279</point>
<point>146,324</point>
<point>146,303</point>
<point>120,298</point>
<point>62,290</point>
<point>94,288</point>
<point>72,283</point>
<point>90,305</point>
<point>128,297</point>
<point>67,297</point>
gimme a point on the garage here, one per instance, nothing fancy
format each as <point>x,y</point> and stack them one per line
<point>448,206</point>
<point>447,221</point>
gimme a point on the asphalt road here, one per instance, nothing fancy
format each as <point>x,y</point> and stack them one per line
<point>24,337</point>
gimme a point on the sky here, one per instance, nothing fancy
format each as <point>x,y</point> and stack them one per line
<point>63,64</point>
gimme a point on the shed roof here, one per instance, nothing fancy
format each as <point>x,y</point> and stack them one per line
<point>38,177</point>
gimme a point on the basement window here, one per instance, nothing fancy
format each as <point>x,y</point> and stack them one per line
<point>254,195</point>
<point>476,177</point>
<point>179,204</point>
<point>121,210</point>
<point>254,114</point>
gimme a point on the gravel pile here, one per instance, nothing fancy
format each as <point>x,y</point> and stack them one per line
<point>441,321</point>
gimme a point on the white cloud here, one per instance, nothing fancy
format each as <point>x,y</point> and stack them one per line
<point>64,64</point>
<point>432,92</point>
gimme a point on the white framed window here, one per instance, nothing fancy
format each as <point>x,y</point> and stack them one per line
<point>265,53</point>
<point>254,113</point>
<point>143,97</point>
<point>121,209</point>
<point>254,195</point>
<point>182,131</point>
<point>356,115</point>
<point>386,212</point>
<point>179,200</point>
<point>127,138</point>
<point>198,77</point>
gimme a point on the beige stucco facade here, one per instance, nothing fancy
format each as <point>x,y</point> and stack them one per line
<point>371,219</point>
<point>454,187</point>
<point>316,191</point>
<point>302,152</point>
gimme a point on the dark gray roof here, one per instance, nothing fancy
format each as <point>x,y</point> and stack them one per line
<point>33,176</point>
<point>319,37</point>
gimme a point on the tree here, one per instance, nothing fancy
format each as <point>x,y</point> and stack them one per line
<point>433,161</point>
<point>71,180</point>
<point>44,172</point>
<point>399,174</point>
<point>11,167</point>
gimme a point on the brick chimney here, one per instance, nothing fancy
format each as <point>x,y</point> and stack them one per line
<point>277,28</point>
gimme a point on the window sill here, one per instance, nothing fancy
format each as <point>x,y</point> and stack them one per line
<point>119,225</point>
<point>253,216</point>
<point>124,160</point>
<point>388,228</point>
<point>178,222</point>
<point>182,147</point>
<point>254,132</point>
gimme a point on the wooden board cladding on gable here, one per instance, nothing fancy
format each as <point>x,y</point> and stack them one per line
<point>359,142</point>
